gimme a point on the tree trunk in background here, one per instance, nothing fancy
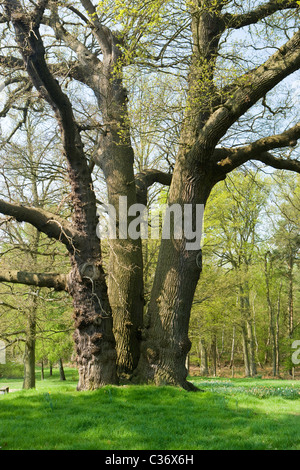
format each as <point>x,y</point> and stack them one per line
<point>245,341</point>
<point>272,332</point>
<point>255,336</point>
<point>29,355</point>
<point>62,376</point>
<point>214,355</point>
<point>165,336</point>
<point>231,365</point>
<point>203,358</point>
<point>253,369</point>
<point>290,276</point>
<point>277,331</point>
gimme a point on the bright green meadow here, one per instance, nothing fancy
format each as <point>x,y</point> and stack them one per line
<point>231,414</point>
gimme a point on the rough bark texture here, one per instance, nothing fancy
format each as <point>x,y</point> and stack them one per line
<point>95,344</point>
<point>125,274</point>
<point>115,157</point>
<point>199,166</point>
<point>165,342</point>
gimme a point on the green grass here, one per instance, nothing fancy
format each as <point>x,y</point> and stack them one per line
<point>231,414</point>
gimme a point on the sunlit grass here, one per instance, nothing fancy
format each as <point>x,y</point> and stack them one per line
<point>230,414</point>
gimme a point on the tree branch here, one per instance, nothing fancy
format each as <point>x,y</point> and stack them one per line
<point>279,66</point>
<point>47,222</point>
<point>259,13</point>
<point>32,49</point>
<point>56,281</point>
<point>12,62</point>
<point>33,52</point>
<point>229,159</point>
<point>147,178</point>
<point>278,162</point>
<point>64,69</point>
<point>84,55</point>
<point>102,33</point>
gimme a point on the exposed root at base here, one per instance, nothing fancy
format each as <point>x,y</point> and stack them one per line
<point>189,387</point>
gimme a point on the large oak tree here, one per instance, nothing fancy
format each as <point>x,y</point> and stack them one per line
<point>106,40</point>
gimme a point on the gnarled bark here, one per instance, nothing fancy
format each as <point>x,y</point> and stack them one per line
<point>94,337</point>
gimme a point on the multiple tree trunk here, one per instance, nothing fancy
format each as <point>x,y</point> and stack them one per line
<point>109,330</point>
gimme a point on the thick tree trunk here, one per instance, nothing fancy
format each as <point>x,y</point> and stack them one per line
<point>247,332</point>
<point>94,339</point>
<point>125,274</point>
<point>165,342</point>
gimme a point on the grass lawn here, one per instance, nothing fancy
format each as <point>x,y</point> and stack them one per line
<point>233,414</point>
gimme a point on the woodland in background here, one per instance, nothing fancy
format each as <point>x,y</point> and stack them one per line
<point>184,102</point>
<point>244,318</point>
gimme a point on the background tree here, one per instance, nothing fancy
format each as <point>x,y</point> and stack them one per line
<point>216,306</point>
<point>28,178</point>
<point>287,243</point>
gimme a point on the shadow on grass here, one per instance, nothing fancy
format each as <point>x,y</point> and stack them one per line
<point>142,418</point>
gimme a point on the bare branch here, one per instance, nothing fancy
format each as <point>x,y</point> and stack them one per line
<point>84,55</point>
<point>261,12</point>
<point>12,62</point>
<point>47,222</point>
<point>229,159</point>
<point>50,280</point>
<point>102,33</point>
<point>278,163</point>
<point>33,52</point>
<point>279,66</point>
